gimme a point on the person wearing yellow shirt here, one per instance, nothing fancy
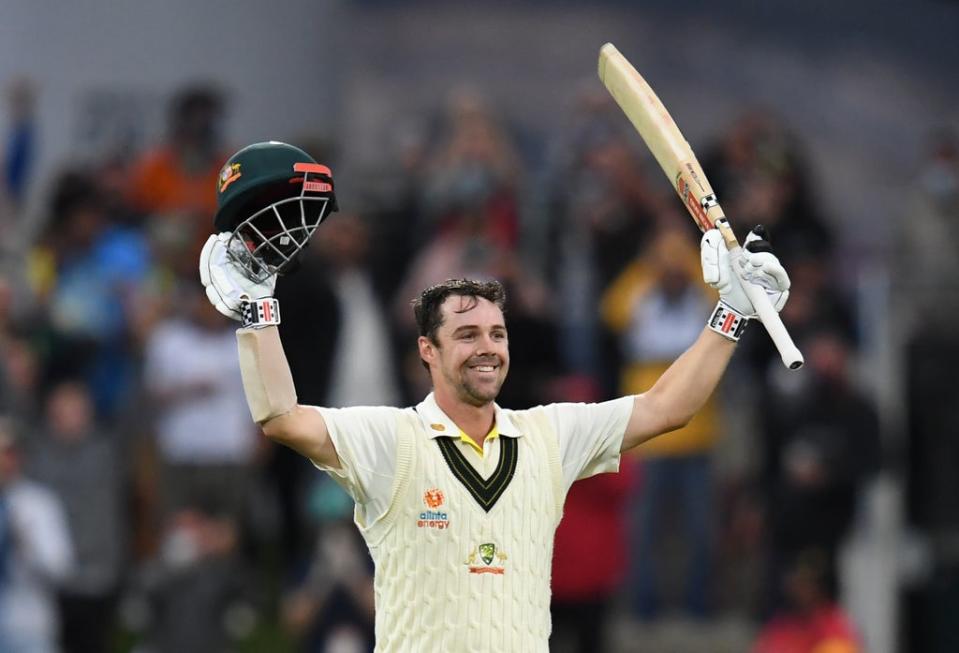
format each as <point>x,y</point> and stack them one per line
<point>655,307</point>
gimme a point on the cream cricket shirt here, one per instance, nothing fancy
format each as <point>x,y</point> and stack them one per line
<point>463,541</point>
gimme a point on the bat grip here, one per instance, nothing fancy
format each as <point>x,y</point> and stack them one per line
<point>792,357</point>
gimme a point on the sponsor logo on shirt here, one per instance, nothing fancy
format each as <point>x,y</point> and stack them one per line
<point>433,517</point>
<point>493,560</point>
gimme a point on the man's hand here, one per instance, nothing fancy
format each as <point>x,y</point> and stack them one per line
<point>758,264</point>
<point>227,285</point>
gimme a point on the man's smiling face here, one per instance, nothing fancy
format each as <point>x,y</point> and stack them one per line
<point>470,357</point>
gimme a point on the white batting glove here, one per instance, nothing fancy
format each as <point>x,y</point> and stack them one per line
<point>758,264</point>
<point>229,289</point>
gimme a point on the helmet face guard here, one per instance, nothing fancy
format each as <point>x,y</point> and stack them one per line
<point>271,197</point>
<point>269,241</point>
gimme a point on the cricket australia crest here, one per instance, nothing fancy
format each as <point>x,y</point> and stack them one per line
<point>493,560</point>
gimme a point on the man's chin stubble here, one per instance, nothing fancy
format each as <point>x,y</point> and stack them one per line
<point>477,398</point>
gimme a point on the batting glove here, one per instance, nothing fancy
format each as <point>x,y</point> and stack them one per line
<point>228,288</point>
<point>756,264</point>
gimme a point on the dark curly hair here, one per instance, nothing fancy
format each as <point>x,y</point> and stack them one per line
<point>426,307</point>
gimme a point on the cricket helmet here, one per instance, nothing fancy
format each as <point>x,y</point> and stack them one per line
<point>271,196</point>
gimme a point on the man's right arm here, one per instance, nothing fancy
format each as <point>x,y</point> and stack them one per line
<point>271,397</point>
<point>304,430</point>
<point>267,380</point>
<point>356,445</point>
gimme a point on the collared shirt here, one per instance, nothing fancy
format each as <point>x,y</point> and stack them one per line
<point>589,436</point>
<point>480,449</point>
<point>483,457</point>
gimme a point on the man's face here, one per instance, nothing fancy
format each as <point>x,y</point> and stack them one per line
<point>471,356</point>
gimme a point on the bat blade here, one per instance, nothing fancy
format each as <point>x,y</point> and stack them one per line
<point>656,126</point>
<point>664,139</point>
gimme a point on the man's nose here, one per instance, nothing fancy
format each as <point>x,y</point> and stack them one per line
<point>486,343</point>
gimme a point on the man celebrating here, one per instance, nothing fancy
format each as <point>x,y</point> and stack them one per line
<point>457,498</point>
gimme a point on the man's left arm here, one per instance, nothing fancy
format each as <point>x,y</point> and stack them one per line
<point>681,391</point>
<point>683,388</point>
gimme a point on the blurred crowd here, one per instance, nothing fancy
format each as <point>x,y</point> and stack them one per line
<point>140,509</point>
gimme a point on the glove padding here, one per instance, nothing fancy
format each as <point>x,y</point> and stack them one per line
<point>758,264</point>
<point>227,286</point>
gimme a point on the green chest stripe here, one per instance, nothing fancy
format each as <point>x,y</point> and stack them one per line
<point>486,491</point>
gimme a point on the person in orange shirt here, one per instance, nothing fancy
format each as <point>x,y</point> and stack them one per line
<point>175,179</point>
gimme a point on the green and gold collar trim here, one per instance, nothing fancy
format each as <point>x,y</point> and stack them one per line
<point>486,491</point>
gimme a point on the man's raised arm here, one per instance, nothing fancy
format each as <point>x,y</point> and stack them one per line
<point>267,380</point>
<point>271,396</point>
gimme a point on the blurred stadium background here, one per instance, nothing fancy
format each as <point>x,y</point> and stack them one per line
<point>472,138</point>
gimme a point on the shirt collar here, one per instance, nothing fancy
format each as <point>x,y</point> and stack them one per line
<point>437,423</point>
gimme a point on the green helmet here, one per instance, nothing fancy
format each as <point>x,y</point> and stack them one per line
<point>271,196</point>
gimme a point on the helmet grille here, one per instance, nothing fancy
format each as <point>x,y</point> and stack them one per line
<point>269,240</point>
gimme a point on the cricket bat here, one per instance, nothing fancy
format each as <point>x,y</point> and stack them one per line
<point>676,158</point>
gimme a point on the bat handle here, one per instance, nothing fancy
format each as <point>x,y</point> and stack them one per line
<point>792,357</point>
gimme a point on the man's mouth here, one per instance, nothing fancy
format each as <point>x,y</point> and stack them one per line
<point>485,367</point>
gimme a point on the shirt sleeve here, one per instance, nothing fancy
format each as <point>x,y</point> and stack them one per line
<point>40,526</point>
<point>365,442</point>
<point>590,436</point>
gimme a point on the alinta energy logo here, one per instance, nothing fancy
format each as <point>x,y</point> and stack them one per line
<point>433,517</point>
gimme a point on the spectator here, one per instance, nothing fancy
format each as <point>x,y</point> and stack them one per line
<point>811,621</point>
<point>36,555</point>
<point>821,445</point>
<point>470,185</point>
<point>656,307</point>
<point>80,462</point>
<point>19,378</point>
<point>91,272</point>
<point>475,159</point>
<point>196,584</point>
<point>363,372</point>
<point>927,265</point>
<point>331,608</point>
<point>759,172</point>
<point>205,440</point>
<point>600,210</point>
<point>175,180</point>
<point>19,365</point>
<point>464,248</point>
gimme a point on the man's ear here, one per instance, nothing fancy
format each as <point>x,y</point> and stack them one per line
<point>427,349</point>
